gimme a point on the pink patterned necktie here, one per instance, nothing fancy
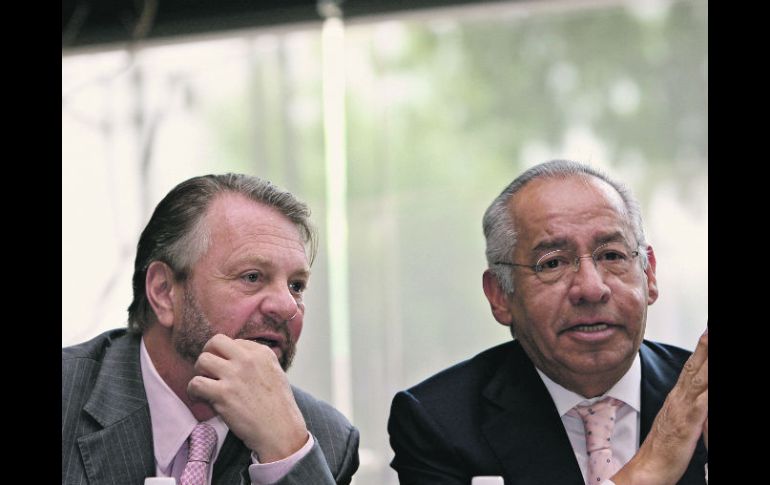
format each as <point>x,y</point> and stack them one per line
<point>599,420</point>
<point>202,442</point>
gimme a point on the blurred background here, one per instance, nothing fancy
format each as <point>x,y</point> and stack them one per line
<point>398,125</point>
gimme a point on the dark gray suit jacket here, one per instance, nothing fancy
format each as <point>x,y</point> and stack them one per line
<point>107,434</point>
<point>492,415</point>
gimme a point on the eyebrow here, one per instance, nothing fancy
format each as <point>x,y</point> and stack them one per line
<point>268,264</point>
<point>616,236</point>
<point>563,242</point>
<point>303,273</point>
<point>550,245</point>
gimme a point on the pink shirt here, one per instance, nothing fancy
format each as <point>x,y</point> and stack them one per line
<point>172,423</point>
<point>625,435</point>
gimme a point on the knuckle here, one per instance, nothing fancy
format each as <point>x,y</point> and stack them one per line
<point>194,384</point>
<point>203,359</point>
<point>217,338</point>
<point>697,381</point>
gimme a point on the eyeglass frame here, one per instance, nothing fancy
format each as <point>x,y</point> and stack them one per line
<point>575,264</point>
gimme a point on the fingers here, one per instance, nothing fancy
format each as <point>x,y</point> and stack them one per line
<point>700,381</point>
<point>225,361</point>
<point>236,349</point>
<point>221,345</point>
<point>202,388</point>
<point>700,355</point>
<point>690,394</point>
<point>668,448</point>
<point>225,358</point>
<point>244,383</point>
<point>694,376</point>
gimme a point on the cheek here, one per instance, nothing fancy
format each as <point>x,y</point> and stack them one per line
<point>295,328</point>
<point>633,300</point>
<point>534,315</point>
<point>544,301</point>
<point>229,316</point>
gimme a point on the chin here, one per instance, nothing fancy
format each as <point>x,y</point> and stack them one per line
<point>607,361</point>
<point>202,411</point>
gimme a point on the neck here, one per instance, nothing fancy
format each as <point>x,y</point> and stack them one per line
<point>591,390</point>
<point>587,385</point>
<point>175,371</point>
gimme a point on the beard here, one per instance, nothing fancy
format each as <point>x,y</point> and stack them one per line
<point>196,330</point>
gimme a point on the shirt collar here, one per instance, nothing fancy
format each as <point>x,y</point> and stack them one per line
<point>172,421</point>
<point>627,389</point>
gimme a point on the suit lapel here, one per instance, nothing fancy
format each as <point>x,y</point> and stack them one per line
<point>122,451</point>
<point>232,463</point>
<point>523,428</point>
<point>657,381</point>
<point>524,431</point>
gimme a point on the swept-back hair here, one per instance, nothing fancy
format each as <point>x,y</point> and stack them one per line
<point>177,233</point>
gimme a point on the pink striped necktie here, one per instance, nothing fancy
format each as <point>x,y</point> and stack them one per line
<point>202,442</point>
<point>599,421</point>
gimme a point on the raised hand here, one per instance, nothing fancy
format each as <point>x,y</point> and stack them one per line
<point>663,457</point>
<point>244,383</point>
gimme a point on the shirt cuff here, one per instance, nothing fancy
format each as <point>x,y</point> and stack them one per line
<point>267,473</point>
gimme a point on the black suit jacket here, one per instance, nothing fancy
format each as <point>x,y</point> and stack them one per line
<point>107,433</point>
<point>492,415</point>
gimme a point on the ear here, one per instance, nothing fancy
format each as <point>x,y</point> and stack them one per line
<point>160,287</point>
<point>652,281</point>
<point>498,299</point>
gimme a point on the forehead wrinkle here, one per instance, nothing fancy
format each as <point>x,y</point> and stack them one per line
<point>267,237</point>
<point>238,228</point>
<point>550,225</point>
<point>615,236</point>
<point>268,263</point>
<point>251,256</point>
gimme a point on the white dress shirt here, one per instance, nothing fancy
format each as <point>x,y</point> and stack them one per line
<point>625,435</point>
<point>172,423</point>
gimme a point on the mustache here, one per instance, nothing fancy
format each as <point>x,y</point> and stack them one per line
<point>265,323</point>
<point>288,346</point>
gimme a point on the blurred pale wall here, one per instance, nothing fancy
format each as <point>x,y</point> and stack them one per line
<point>444,108</point>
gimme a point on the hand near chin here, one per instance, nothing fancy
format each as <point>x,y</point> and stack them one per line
<point>663,457</point>
<point>244,383</point>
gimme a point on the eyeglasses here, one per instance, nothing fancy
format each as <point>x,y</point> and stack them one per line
<point>615,258</point>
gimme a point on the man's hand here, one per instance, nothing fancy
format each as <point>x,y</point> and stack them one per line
<point>663,457</point>
<point>246,386</point>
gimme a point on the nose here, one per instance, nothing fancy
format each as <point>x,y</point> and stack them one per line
<point>279,304</point>
<point>588,284</point>
<point>576,263</point>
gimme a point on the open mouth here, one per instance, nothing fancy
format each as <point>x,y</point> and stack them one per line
<point>266,341</point>
<point>596,327</point>
<point>588,328</point>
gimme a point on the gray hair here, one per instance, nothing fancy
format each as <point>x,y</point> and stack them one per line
<point>177,233</point>
<point>500,230</point>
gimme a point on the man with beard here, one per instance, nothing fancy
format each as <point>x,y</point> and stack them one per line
<point>578,396</point>
<point>195,388</point>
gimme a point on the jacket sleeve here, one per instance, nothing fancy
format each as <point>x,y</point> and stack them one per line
<point>422,455</point>
<point>313,467</point>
